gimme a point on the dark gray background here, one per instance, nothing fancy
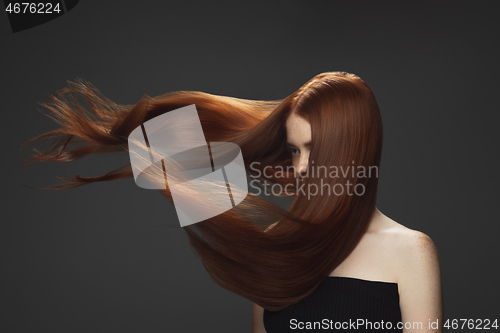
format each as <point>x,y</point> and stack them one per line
<point>112,257</point>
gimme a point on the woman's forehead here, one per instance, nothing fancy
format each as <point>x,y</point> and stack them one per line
<point>298,129</point>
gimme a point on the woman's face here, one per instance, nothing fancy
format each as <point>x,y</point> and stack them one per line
<point>298,131</point>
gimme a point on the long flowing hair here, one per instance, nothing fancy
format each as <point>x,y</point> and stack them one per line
<point>243,249</point>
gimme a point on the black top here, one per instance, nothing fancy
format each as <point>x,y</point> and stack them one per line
<point>341,303</point>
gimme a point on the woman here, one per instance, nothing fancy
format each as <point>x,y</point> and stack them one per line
<point>332,258</point>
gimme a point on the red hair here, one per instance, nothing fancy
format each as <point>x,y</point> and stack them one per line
<point>273,267</point>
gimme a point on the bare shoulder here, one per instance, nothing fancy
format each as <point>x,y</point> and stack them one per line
<point>416,267</point>
<point>405,241</point>
<point>409,244</point>
<point>414,254</point>
<point>414,242</point>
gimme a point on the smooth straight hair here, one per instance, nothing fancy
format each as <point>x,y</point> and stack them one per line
<point>272,267</point>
